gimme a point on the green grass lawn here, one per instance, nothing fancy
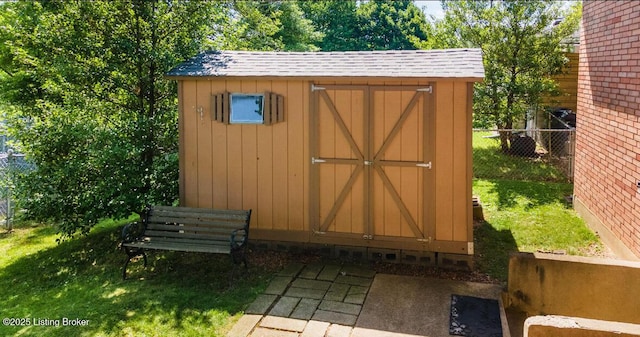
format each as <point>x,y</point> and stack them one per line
<point>188,294</point>
<point>528,217</point>
<point>177,295</point>
<point>490,163</point>
<point>525,207</point>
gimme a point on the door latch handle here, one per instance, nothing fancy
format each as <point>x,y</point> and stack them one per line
<point>368,162</point>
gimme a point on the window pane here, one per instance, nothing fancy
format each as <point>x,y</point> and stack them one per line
<point>246,109</point>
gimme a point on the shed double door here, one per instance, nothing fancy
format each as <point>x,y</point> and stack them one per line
<point>370,165</point>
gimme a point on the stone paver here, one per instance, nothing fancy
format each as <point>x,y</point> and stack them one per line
<point>262,332</point>
<point>244,325</point>
<point>356,295</point>
<point>329,273</point>
<point>337,292</point>
<point>337,330</point>
<point>334,317</point>
<point>305,308</point>
<point>315,329</point>
<point>284,307</point>
<point>278,285</point>
<point>354,280</point>
<point>311,271</point>
<point>283,323</point>
<point>358,271</point>
<point>345,308</point>
<point>261,304</point>
<point>291,270</point>
<point>309,301</point>
<point>311,284</point>
<point>305,293</point>
<point>338,310</point>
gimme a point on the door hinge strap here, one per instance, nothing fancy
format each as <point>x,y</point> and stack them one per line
<point>426,165</point>
<point>316,88</point>
<point>317,160</point>
<point>427,240</point>
<point>428,89</point>
<point>319,233</point>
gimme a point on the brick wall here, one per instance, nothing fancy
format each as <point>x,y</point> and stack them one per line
<point>608,128</point>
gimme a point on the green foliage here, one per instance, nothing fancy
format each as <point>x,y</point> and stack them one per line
<point>521,48</point>
<point>267,25</point>
<point>393,25</point>
<point>338,21</point>
<point>371,25</point>
<point>90,106</point>
<point>297,33</point>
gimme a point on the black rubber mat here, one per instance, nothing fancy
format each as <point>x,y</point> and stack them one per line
<point>474,317</point>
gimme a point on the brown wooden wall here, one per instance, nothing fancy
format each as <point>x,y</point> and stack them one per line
<point>267,168</point>
<point>453,161</point>
<point>568,85</point>
<point>246,166</point>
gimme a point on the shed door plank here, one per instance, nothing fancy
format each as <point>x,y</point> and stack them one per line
<point>341,125</point>
<point>388,133</point>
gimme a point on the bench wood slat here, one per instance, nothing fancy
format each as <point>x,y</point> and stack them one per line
<point>189,230</point>
<point>223,225</point>
<point>186,217</point>
<point>180,242</point>
<point>188,241</point>
<point>188,236</point>
<point>181,247</point>
<point>171,227</point>
<point>199,210</point>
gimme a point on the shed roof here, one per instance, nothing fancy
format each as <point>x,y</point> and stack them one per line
<point>445,63</point>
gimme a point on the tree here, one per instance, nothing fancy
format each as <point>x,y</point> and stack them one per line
<point>521,49</point>
<point>89,103</point>
<point>268,25</point>
<point>297,33</point>
<point>371,25</point>
<point>393,25</point>
<point>338,21</point>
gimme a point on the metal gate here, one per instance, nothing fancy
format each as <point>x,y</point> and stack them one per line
<point>370,149</point>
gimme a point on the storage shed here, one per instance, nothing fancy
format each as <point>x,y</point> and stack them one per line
<point>369,149</point>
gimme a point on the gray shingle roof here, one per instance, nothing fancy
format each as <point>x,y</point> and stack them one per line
<point>447,63</point>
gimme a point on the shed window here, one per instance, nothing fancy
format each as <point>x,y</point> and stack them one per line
<point>247,109</point>
<point>237,108</point>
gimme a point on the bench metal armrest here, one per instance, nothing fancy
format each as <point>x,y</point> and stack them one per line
<point>132,231</point>
<point>238,243</point>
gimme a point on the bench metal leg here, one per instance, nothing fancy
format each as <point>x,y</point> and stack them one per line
<point>238,256</point>
<point>132,253</point>
<point>124,269</point>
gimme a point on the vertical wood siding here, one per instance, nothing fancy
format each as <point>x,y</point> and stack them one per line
<point>451,165</point>
<point>567,85</point>
<point>246,166</point>
<point>266,168</point>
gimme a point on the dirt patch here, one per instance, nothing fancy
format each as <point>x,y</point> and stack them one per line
<point>274,261</point>
<point>598,250</point>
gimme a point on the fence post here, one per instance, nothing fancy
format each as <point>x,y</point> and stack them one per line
<point>10,160</point>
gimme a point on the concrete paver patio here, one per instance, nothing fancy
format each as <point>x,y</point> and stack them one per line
<point>351,301</point>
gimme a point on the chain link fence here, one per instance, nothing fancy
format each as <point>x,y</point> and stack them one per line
<point>11,167</point>
<point>524,154</point>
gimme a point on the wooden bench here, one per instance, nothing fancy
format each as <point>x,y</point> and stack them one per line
<point>188,230</point>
